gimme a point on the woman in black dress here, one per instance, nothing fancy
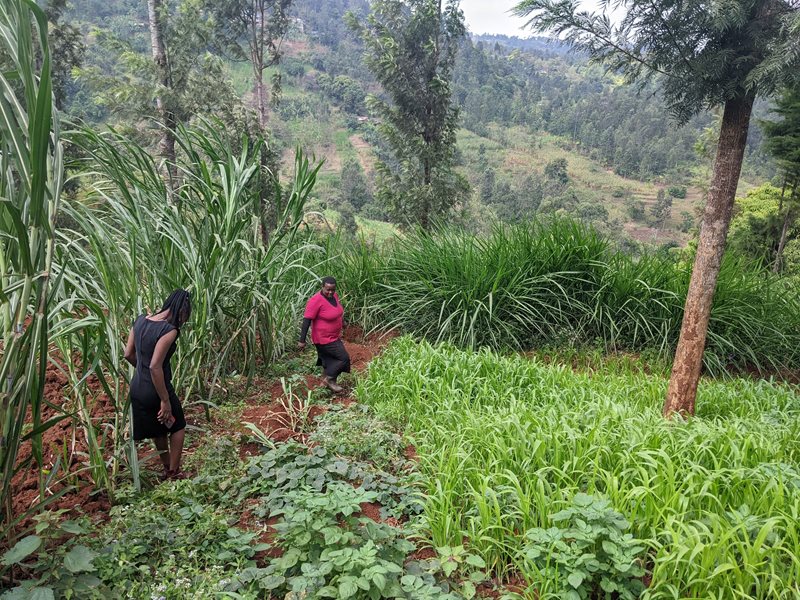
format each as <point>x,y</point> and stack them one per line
<point>157,412</point>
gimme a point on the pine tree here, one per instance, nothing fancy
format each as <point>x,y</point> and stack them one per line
<point>703,56</point>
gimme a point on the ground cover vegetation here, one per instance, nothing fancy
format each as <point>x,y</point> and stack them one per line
<point>578,483</point>
<point>462,469</point>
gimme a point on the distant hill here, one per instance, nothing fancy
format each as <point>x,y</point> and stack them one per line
<point>539,44</point>
<point>527,106</point>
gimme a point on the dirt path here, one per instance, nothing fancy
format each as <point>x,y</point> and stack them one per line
<point>281,417</point>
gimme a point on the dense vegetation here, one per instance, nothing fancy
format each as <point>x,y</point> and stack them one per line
<point>506,444</point>
<point>510,93</point>
<point>454,470</point>
<point>560,284</point>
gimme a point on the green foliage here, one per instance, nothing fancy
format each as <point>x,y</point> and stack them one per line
<point>353,187</point>
<point>559,283</point>
<point>289,467</point>
<point>411,47</point>
<point>702,52</point>
<point>783,137</point>
<point>587,554</point>
<point>54,563</point>
<point>185,540</point>
<point>346,91</point>
<point>331,553</point>
<point>687,221</point>
<point>556,172</point>
<point>456,565</point>
<point>756,224</point>
<point>677,191</point>
<point>329,550</point>
<point>143,247</point>
<point>31,178</point>
<point>126,81</point>
<point>503,439</point>
<point>661,210</point>
<point>635,209</point>
<point>68,50</point>
<point>355,432</point>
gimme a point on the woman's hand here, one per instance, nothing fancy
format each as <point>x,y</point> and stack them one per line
<point>301,345</point>
<point>165,414</point>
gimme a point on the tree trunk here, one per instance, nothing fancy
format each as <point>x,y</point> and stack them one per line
<point>688,362</point>
<point>166,147</point>
<point>425,209</point>
<point>777,266</point>
<point>258,49</point>
<point>261,96</point>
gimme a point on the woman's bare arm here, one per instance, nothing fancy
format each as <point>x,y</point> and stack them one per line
<point>157,373</point>
<point>130,349</point>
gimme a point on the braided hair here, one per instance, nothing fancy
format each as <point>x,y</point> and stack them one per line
<point>178,303</point>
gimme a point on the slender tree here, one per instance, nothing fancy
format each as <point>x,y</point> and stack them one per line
<point>783,142</point>
<point>411,48</point>
<point>662,209</point>
<point>254,30</point>
<point>157,14</point>
<point>704,55</point>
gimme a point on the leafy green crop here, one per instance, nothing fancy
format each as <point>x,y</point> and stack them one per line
<point>588,554</point>
<point>355,432</point>
<point>505,442</point>
<point>291,466</point>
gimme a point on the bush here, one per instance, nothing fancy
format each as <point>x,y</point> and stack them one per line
<point>560,283</point>
<point>355,432</point>
<point>677,191</point>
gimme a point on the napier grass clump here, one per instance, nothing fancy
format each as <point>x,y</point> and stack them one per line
<point>558,283</point>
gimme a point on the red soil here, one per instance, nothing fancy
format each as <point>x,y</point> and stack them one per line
<point>64,443</point>
<point>426,553</point>
<point>67,439</point>
<point>274,418</point>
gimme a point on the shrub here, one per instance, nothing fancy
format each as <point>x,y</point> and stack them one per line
<point>677,191</point>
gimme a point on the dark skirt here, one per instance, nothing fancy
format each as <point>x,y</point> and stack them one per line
<point>333,358</point>
<point>145,409</point>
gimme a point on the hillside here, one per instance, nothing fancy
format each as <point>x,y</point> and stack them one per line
<point>525,104</point>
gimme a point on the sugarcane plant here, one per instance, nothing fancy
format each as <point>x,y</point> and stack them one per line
<point>31,159</point>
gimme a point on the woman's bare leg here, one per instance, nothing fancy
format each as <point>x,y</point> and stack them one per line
<point>176,449</point>
<point>163,450</point>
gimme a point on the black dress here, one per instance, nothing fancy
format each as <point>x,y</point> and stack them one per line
<point>145,402</point>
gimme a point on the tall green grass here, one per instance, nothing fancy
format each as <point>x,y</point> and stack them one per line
<point>31,172</point>
<point>131,242</point>
<point>506,442</point>
<point>559,283</point>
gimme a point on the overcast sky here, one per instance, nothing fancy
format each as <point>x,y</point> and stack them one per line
<point>492,16</point>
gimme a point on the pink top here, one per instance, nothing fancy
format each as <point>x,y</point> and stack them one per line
<point>326,320</point>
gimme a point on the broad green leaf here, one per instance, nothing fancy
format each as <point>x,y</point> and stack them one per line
<point>575,579</point>
<point>79,559</point>
<point>476,561</point>
<point>347,588</point>
<point>22,550</point>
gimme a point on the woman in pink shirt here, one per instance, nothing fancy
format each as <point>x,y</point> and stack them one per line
<point>324,315</point>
